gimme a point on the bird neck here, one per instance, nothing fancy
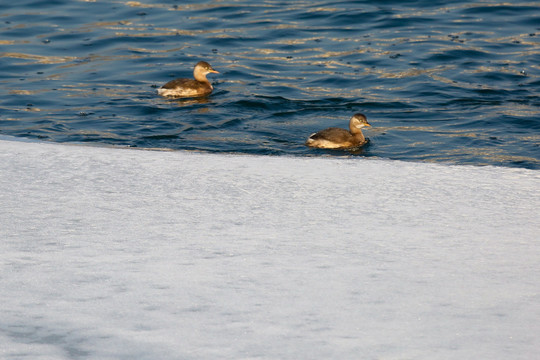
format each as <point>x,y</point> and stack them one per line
<point>200,77</point>
<point>358,135</point>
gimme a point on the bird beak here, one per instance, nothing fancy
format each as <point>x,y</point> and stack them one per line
<point>214,71</point>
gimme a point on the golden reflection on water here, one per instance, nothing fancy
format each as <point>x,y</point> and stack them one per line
<point>382,73</point>
<point>139,4</point>
<point>324,9</point>
<point>191,7</point>
<point>491,154</point>
<point>531,138</point>
<point>39,59</point>
<point>521,110</point>
<point>112,25</point>
<point>11,42</point>
<point>27,92</point>
<point>156,51</point>
<point>189,102</point>
<point>81,90</point>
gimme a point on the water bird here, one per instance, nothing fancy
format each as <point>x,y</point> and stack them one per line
<point>337,138</point>
<point>200,86</point>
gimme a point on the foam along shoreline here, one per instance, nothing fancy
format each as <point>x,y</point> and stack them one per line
<point>112,253</point>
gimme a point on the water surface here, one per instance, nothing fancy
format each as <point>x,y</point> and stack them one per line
<point>440,81</point>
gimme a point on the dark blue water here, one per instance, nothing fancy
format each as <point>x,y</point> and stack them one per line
<point>440,81</point>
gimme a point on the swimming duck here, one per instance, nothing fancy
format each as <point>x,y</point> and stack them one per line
<point>336,138</point>
<point>189,87</point>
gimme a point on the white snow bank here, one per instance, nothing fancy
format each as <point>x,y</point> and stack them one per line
<point>123,254</point>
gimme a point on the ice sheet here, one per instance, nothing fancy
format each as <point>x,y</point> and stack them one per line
<point>124,254</point>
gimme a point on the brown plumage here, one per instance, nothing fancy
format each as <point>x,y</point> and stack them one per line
<point>336,138</point>
<point>200,86</point>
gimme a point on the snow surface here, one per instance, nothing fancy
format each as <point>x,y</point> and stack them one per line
<point>122,254</point>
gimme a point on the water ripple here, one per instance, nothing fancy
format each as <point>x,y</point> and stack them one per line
<point>439,81</point>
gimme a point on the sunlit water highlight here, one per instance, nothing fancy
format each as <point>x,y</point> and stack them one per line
<point>440,81</point>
